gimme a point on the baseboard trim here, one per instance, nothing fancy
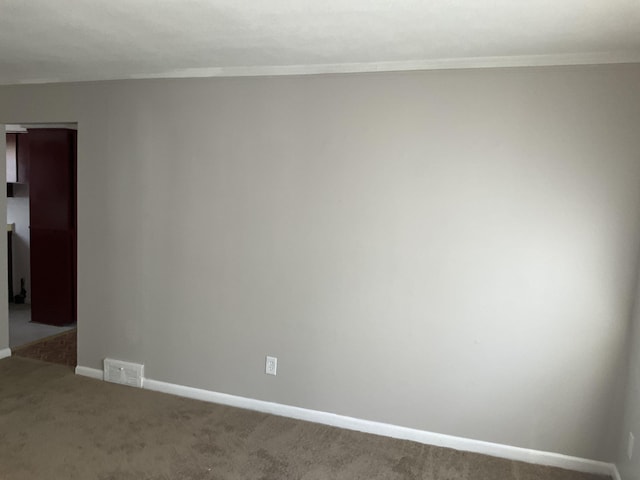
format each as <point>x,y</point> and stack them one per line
<point>90,372</point>
<point>388,430</point>
<point>377,428</point>
<point>5,352</point>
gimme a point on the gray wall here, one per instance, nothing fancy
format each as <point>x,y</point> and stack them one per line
<point>4,284</point>
<point>630,422</point>
<point>452,251</point>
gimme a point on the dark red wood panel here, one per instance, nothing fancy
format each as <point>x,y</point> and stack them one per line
<point>53,300</point>
<point>50,180</point>
<point>52,208</point>
<point>23,157</point>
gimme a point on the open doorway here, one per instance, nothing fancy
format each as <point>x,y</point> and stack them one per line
<point>41,241</point>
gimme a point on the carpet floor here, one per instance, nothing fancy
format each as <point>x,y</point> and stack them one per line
<point>56,425</point>
<point>60,348</point>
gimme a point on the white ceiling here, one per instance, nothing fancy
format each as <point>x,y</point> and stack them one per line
<point>67,40</point>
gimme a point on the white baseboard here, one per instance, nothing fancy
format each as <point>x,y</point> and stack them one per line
<point>378,428</point>
<point>90,372</point>
<point>388,430</point>
<point>5,352</point>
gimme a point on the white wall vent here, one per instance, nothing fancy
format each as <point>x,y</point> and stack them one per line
<point>124,373</point>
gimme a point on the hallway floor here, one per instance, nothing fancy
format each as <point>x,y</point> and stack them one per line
<point>22,331</point>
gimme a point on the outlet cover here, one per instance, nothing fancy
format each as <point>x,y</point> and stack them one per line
<point>271,366</point>
<point>124,373</point>
<point>632,440</point>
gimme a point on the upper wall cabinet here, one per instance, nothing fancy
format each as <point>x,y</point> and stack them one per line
<point>17,157</point>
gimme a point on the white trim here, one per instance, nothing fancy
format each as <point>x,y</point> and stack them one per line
<point>377,428</point>
<point>595,58</point>
<point>388,430</point>
<point>615,473</point>
<point>90,372</point>
<point>8,128</point>
<point>5,352</point>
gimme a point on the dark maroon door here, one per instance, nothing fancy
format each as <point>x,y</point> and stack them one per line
<point>52,219</point>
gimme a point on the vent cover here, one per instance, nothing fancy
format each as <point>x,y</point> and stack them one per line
<point>124,373</point>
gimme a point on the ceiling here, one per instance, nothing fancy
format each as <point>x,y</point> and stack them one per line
<point>75,40</point>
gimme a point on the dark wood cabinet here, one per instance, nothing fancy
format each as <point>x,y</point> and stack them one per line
<point>52,292</point>
<point>17,157</point>
<point>52,210</point>
<point>22,157</point>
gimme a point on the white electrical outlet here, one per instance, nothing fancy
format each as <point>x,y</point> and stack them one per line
<point>271,366</point>
<point>632,440</point>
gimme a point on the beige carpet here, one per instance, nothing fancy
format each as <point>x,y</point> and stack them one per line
<point>55,425</point>
<point>60,348</point>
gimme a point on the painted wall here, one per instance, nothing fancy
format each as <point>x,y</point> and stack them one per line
<point>4,284</point>
<point>630,468</point>
<point>452,251</point>
<point>18,213</point>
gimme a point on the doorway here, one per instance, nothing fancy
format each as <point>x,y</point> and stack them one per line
<point>41,241</point>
